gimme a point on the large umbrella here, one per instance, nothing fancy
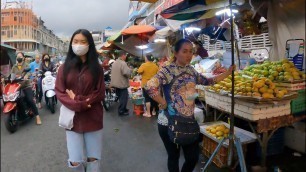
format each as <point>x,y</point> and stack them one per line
<point>142,32</point>
<point>156,49</point>
<point>138,29</point>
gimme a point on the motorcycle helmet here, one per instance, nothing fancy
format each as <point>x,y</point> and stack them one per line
<point>48,73</point>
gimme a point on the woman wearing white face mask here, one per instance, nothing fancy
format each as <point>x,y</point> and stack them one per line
<point>80,87</point>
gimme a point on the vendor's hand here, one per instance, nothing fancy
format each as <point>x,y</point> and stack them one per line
<point>231,69</point>
<point>70,93</point>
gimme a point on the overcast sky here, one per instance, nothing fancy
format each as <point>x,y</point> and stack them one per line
<point>66,16</point>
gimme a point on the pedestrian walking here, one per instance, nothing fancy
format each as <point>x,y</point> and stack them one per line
<point>120,74</point>
<point>178,81</point>
<point>147,70</point>
<point>80,87</point>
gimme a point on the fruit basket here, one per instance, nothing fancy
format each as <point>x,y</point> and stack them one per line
<point>210,142</point>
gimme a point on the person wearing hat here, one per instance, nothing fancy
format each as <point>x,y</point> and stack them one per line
<point>147,70</point>
<point>120,73</point>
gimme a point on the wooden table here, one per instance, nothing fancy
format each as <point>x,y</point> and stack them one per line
<point>266,127</point>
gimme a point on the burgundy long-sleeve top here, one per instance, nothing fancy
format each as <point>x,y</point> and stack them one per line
<point>81,82</point>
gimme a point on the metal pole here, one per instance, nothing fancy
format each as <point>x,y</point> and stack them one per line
<point>231,138</point>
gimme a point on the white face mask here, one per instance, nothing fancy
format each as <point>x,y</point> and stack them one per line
<point>80,50</point>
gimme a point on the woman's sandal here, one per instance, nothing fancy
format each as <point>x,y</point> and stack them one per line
<point>146,115</point>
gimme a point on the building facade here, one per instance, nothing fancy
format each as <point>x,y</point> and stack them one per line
<point>143,13</point>
<point>22,29</point>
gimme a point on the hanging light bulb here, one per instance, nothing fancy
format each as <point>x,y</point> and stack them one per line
<point>142,47</point>
<point>160,40</point>
<point>227,11</point>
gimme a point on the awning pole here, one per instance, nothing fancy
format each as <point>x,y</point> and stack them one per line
<point>232,118</point>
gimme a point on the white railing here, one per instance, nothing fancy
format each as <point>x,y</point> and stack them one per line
<point>247,42</point>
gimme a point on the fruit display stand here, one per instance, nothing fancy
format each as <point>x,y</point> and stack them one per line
<point>136,96</point>
<point>210,142</point>
<point>292,86</point>
<point>265,116</point>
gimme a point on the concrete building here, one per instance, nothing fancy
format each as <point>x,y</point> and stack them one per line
<point>143,13</point>
<point>25,31</point>
<point>108,32</point>
<point>97,37</point>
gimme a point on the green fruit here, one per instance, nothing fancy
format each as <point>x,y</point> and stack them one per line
<point>288,78</point>
<point>279,68</point>
<point>271,78</point>
<point>265,73</point>
<point>271,71</point>
<point>257,71</point>
<point>247,68</point>
<point>275,74</point>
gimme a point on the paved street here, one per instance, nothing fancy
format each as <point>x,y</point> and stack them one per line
<point>136,147</point>
<point>131,144</point>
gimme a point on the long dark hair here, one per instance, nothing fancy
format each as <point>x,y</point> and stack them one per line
<point>73,61</point>
<point>43,58</point>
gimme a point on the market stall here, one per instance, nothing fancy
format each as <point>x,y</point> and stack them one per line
<point>8,58</point>
<point>266,96</point>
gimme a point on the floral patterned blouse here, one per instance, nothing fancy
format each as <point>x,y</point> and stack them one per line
<point>178,84</point>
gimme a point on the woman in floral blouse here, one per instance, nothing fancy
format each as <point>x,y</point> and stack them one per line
<point>179,95</point>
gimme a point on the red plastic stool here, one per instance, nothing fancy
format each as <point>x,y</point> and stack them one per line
<point>138,110</point>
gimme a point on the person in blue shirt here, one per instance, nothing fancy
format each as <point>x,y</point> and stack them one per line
<point>35,64</point>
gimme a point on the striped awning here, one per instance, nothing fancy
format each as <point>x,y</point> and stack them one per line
<point>194,9</point>
<point>148,1</point>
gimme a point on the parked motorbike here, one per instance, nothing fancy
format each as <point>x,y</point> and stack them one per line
<point>110,93</point>
<point>15,110</point>
<point>48,85</point>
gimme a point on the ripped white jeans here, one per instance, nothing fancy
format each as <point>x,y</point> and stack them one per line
<point>84,145</point>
